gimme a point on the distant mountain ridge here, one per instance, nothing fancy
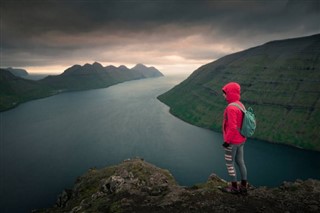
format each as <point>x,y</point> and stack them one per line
<point>97,68</point>
<point>280,80</point>
<point>17,72</point>
<point>92,76</point>
<point>76,77</point>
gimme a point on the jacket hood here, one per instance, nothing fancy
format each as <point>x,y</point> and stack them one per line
<point>232,91</point>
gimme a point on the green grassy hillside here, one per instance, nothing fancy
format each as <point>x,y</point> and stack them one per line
<point>15,90</point>
<point>280,80</point>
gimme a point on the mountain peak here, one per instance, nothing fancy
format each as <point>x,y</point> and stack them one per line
<point>85,69</point>
<point>96,64</point>
<point>140,66</point>
<point>148,72</point>
<point>123,67</point>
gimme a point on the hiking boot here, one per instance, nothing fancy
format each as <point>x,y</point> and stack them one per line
<point>231,190</point>
<point>243,190</point>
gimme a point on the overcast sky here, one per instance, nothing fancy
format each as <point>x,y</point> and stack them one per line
<point>172,35</point>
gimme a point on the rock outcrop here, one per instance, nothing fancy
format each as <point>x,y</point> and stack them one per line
<point>138,186</point>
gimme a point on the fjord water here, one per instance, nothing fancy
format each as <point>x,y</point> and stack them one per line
<point>46,144</point>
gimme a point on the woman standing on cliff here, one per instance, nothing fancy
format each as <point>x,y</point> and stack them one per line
<point>233,140</point>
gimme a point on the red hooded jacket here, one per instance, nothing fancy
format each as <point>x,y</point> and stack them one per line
<point>232,116</point>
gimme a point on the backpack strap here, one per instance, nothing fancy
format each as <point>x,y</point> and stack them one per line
<point>243,109</point>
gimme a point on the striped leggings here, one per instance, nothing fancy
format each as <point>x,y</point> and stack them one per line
<point>235,153</point>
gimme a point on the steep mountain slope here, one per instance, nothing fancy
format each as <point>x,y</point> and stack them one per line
<point>14,90</point>
<point>280,80</point>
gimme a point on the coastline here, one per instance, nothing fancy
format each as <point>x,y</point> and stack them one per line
<point>254,138</point>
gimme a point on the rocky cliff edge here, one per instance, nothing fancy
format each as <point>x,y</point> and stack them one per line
<point>138,186</point>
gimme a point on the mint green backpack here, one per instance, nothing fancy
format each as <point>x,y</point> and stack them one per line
<point>248,122</point>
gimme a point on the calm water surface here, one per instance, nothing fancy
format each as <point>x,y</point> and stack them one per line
<point>46,144</point>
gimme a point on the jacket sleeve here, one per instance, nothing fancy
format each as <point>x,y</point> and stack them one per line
<point>231,124</point>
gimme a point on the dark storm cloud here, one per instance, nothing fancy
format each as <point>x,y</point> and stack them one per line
<point>74,16</point>
<point>39,32</point>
